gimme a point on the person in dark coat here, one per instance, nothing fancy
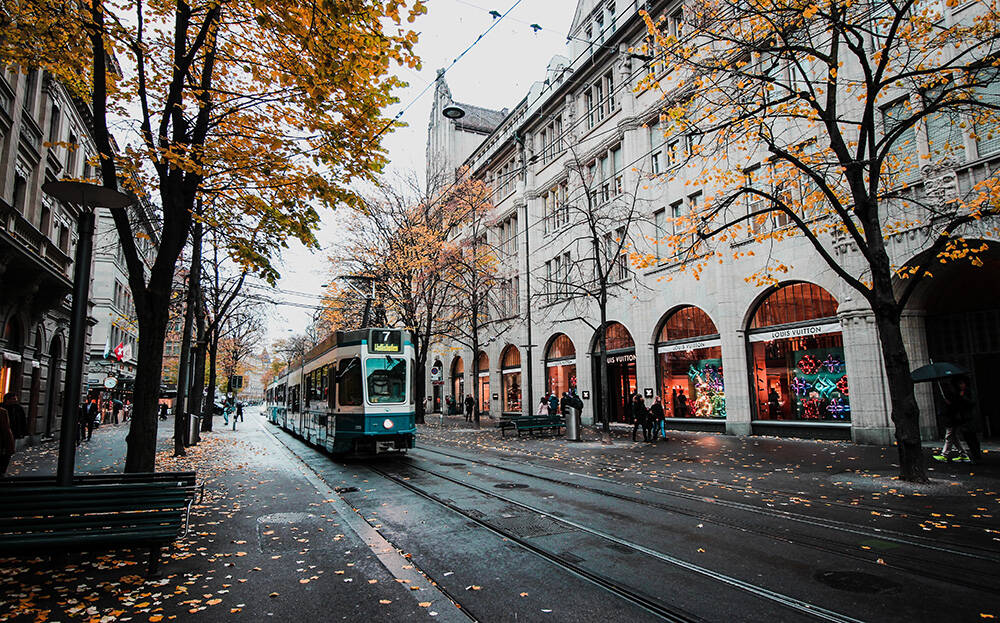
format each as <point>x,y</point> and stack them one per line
<point>90,418</point>
<point>964,409</point>
<point>656,416</point>
<point>647,422</point>
<point>163,410</point>
<point>470,404</point>
<point>239,412</point>
<point>640,415</point>
<point>630,414</point>
<point>6,441</point>
<point>15,413</point>
<point>553,404</point>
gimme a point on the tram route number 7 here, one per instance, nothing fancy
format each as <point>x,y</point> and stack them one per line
<point>383,341</point>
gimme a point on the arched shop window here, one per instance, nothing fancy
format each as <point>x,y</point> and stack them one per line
<point>560,365</point>
<point>621,370</point>
<point>483,368</point>
<point>10,357</point>
<point>510,373</point>
<point>458,381</point>
<point>689,365</point>
<point>797,351</point>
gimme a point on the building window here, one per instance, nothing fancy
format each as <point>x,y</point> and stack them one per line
<point>903,162</point>
<point>616,255</point>
<point>54,123</point>
<point>799,370</point>
<point>689,366</point>
<point>560,365</point>
<point>510,372</point>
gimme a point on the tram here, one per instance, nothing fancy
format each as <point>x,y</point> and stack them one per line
<point>353,394</point>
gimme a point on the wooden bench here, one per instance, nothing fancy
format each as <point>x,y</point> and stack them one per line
<point>95,513</point>
<point>540,423</point>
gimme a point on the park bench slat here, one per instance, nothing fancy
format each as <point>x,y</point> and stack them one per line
<point>100,510</point>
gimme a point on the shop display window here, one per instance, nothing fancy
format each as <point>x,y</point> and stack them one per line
<point>799,369</point>
<point>483,368</point>
<point>560,365</point>
<point>510,371</point>
<point>689,366</point>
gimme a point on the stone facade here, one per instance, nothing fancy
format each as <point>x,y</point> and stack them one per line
<point>566,123</point>
<point>37,238</point>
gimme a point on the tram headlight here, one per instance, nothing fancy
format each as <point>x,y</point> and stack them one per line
<point>388,423</point>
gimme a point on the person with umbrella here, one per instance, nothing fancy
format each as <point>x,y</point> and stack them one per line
<point>959,415</point>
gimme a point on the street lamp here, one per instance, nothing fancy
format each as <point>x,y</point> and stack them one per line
<point>89,197</point>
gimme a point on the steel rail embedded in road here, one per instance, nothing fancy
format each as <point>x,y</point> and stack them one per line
<point>651,605</point>
<point>886,534</point>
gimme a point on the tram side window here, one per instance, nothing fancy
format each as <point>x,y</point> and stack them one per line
<point>349,382</point>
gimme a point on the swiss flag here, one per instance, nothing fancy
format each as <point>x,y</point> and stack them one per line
<point>120,351</point>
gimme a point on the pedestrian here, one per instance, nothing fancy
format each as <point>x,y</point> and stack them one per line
<point>543,406</point>
<point>641,412</point>
<point>553,404</point>
<point>470,404</point>
<point>92,416</point>
<point>163,411</point>
<point>656,415</point>
<point>960,419</point>
<point>15,413</point>
<point>116,408</point>
<point>239,413</point>
<point>128,411</point>
<point>631,415</point>
<point>6,441</point>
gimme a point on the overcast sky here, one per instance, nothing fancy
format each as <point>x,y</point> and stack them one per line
<point>496,73</point>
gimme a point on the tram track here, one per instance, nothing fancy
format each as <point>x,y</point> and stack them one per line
<point>791,495</point>
<point>652,605</point>
<point>951,573</point>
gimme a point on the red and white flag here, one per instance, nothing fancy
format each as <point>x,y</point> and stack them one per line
<point>120,351</point>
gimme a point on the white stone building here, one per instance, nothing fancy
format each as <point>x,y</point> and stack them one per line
<point>797,359</point>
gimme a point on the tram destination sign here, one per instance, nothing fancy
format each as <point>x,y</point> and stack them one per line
<point>385,341</point>
<point>780,334</point>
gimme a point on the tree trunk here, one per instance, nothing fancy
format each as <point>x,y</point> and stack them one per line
<point>141,439</point>
<point>602,366</point>
<point>213,357</point>
<point>905,413</point>
<point>198,352</point>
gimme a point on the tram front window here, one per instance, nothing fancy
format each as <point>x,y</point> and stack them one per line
<point>386,380</point>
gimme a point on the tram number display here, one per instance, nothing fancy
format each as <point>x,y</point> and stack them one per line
<point>385,341</point>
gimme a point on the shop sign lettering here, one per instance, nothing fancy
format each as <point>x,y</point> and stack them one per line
<point>686,346</point>
<point>626,358</point>
<point>781,334</point>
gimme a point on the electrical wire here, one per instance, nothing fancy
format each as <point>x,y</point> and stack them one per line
<point>452,64</point>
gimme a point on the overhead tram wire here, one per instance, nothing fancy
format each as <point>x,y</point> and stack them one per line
<point>427,87</point>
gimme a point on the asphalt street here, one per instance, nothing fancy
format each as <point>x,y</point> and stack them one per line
<point>473,526</point>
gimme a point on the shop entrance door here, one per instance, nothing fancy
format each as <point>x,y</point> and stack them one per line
<point>621,385</point>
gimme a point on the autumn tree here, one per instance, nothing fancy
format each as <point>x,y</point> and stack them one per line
<point>283,99</point>
<point>844,124</point>
<point>479,303</point>
<point>400,240</point>
<point>599,220</point>
<point>241,335</point>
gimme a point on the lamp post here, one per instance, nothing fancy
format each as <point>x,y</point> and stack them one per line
<point>89,197</point>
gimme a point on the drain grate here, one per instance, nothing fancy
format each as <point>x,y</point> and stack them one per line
<point>856,582</point>
<point>528,526</point>
<point>511,485</point>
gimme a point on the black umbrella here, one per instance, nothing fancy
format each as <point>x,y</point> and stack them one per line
<point>936,372</point>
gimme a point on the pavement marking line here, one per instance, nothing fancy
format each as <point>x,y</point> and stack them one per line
<point>394,562</point>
